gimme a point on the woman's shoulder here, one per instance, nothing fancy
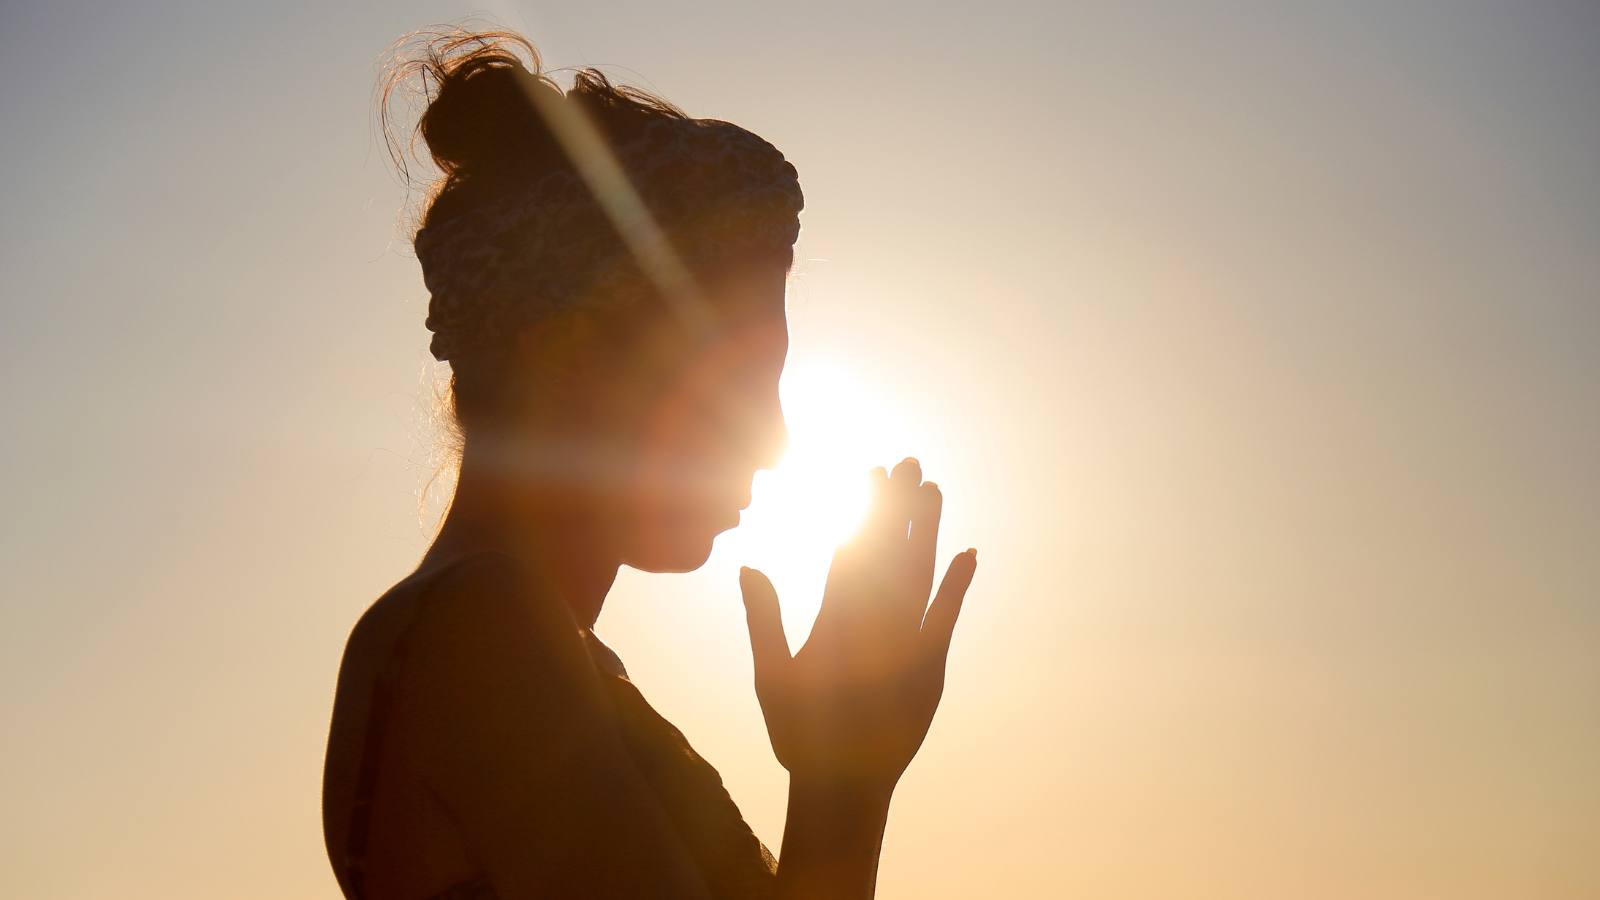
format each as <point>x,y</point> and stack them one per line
<point>484,613</point>
<point>485,587</point>
<point>484,624</point>
<point>460,609</point>
<point>437,646</point>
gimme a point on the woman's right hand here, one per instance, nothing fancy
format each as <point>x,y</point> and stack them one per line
<point>854,704</point>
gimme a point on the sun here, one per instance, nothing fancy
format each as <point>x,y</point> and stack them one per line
<point>816,497</point>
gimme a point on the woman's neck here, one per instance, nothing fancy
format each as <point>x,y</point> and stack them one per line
<point>553,531</point>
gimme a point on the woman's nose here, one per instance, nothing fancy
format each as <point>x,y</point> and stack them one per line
<point>777,442</point>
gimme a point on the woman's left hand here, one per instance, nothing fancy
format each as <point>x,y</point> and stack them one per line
<point>854,704</point>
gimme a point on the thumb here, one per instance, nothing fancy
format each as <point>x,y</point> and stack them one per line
<point>767,641</point>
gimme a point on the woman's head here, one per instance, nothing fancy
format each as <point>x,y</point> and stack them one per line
<point>607,280</point>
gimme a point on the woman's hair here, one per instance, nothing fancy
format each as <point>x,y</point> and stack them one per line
<point>510,229</point>
<point>478,122</point>
<point>484,137</point>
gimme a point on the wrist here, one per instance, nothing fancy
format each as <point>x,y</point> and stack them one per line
<point>833,836</point>
<point>843,792</point>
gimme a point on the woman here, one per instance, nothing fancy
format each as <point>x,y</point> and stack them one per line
<point>607,280</point>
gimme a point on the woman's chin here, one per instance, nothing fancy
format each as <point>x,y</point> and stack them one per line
<point>682,546</point>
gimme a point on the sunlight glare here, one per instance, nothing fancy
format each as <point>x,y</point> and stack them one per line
<point>815,498</point>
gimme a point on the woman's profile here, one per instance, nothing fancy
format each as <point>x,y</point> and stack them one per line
<point>607,280</point>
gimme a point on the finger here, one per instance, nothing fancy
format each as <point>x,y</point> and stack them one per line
<point>878,505</point>
<point>887,546</point>
<point>768,644</point>
<point>844,590</point>
<point>860,544</point>
<point>927,504</point>
<point>908,472</point>
<point>891,511</point>
<point>940,622</point>
<point>903,484</point>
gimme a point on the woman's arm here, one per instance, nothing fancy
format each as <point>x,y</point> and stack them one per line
<point>831,839</point>
<point>848,712</point>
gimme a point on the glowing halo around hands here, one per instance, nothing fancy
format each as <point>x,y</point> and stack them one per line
<point>850,708</point>
<point>816,497</point>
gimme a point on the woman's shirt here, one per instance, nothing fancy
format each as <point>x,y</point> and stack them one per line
<point>484,746</point>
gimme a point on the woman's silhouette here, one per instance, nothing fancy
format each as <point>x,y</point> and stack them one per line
<point>607,280</point>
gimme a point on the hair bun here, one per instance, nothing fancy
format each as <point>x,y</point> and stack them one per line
<point>478,119</point>
<point>482,121</point>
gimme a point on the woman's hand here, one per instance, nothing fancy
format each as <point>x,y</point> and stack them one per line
<point>854,704</point>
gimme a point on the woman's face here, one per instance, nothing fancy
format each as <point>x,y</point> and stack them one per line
<point>700,418</point>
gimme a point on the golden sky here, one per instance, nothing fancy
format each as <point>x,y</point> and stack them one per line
<point>1255,345</point>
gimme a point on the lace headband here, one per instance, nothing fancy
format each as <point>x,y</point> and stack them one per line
<point>713,188</point>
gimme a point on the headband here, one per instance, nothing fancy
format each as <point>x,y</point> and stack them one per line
<point>714,189</point>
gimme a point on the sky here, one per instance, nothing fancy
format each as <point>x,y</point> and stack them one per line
<point>1255,345</point>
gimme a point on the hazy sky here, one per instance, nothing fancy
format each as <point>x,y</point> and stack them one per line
<point>1255,345</point>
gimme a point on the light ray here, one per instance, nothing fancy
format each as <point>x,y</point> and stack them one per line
<point>597,165</point>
